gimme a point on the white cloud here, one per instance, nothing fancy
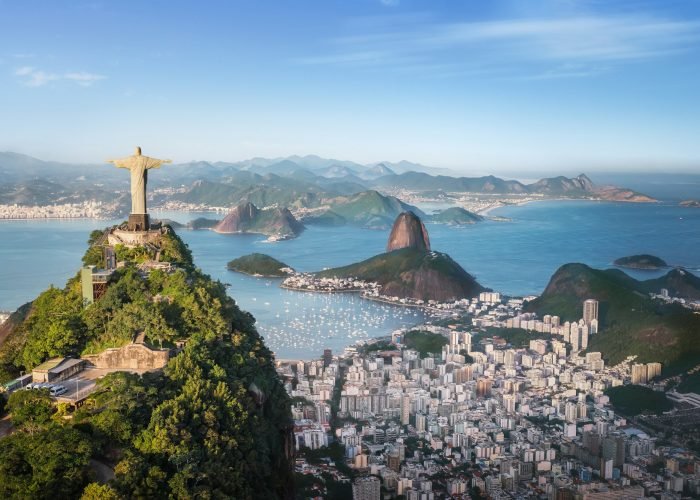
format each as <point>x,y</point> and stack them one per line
<point>544,44</point>
<point>32,77</point>
<point>24,71</point>
<point>83,78</point>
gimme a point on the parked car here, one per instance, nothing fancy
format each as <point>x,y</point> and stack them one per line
<point>57,390</point>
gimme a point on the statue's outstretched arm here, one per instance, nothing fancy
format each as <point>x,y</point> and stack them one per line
<point>120,163</point>
<point>156,163</point>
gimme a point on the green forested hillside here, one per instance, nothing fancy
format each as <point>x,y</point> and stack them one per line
<point>413,273</point>
<point>631,322</point>
<point>213,424</point>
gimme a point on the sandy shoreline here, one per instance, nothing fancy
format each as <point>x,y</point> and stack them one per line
<point>487,211</point>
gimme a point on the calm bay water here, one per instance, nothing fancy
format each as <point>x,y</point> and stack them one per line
<point>515,257</point>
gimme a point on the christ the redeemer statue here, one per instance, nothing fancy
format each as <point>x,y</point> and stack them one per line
<point>138,165</point>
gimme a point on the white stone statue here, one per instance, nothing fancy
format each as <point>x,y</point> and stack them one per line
<point>138,165</point>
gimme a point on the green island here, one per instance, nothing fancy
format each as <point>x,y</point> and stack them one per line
<point>455,216</point>
<point>213,423</point>
<point>632,400</point>
<point>259,264</point>
<point>642,261</point>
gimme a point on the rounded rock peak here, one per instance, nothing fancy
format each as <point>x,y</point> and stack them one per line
<point>408,232</point>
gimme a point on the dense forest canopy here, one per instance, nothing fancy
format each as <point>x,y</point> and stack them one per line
<point>214,423</point>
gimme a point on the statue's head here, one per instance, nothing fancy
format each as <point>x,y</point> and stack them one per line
<point>138,150</point>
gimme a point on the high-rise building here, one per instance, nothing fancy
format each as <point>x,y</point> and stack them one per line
<point>366,488</point>
<point>327,357</point>
<point>653,370</point>
<point>421,421</point>
<point>509,403</point>
<point>575,337</point>
<point>639,373</point>
<point>583,332</point>
<point>594,326</point>
<point>405,409</point>
<point>590,310</point>
<point>614,449</point>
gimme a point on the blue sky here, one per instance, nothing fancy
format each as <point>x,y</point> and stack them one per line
<point>497,86</point>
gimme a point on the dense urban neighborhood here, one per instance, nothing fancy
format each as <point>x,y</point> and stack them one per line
<point>438,412</point>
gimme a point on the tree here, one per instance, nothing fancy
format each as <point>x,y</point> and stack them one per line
<point>53,463</point>
<point>31,410</point>
<point>94,255</point>
<point>96,491</point>
<point>157,328</point>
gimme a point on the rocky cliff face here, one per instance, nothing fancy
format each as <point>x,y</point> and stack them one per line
<point>408,232</point>
<point>238,220</point>
<point>247,218</point>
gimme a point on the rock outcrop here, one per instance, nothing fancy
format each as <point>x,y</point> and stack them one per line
<point>408,232</point>
<point>247,218</point>
<point>409,269</point>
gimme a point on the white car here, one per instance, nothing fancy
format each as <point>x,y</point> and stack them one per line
<point>57,390</point>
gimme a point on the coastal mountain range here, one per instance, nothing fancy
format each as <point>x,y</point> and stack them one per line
<point>294,181</point>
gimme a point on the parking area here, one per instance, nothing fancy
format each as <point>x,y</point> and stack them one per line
<point>83,384</point>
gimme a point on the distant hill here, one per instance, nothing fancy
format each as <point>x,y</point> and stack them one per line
<point>631,322</point>
<point>418,181</point>
<point>563,185</point>
<point>370,209</point>
<point>294,181</point>
<point>247,218</point>
<point>455,216</point>
<point>258,264</point>
<point>198,223</point>
<point>642,261</point>
<point>678,282</point>
<point>379,170</point>
<point>690,203</point>
<point>337,171</point>
<point>202,223</point>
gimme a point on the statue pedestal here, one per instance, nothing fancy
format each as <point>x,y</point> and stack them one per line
<point>139,222</point>
<point>133,238</point>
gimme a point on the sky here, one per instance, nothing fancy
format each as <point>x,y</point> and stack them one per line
<point>480,87</point>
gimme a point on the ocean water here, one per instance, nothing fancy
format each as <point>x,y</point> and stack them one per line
<point>516,257</point>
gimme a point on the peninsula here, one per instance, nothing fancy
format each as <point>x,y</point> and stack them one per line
<point>409,273</point>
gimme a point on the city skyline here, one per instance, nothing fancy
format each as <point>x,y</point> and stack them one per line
<point>556,85</point>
